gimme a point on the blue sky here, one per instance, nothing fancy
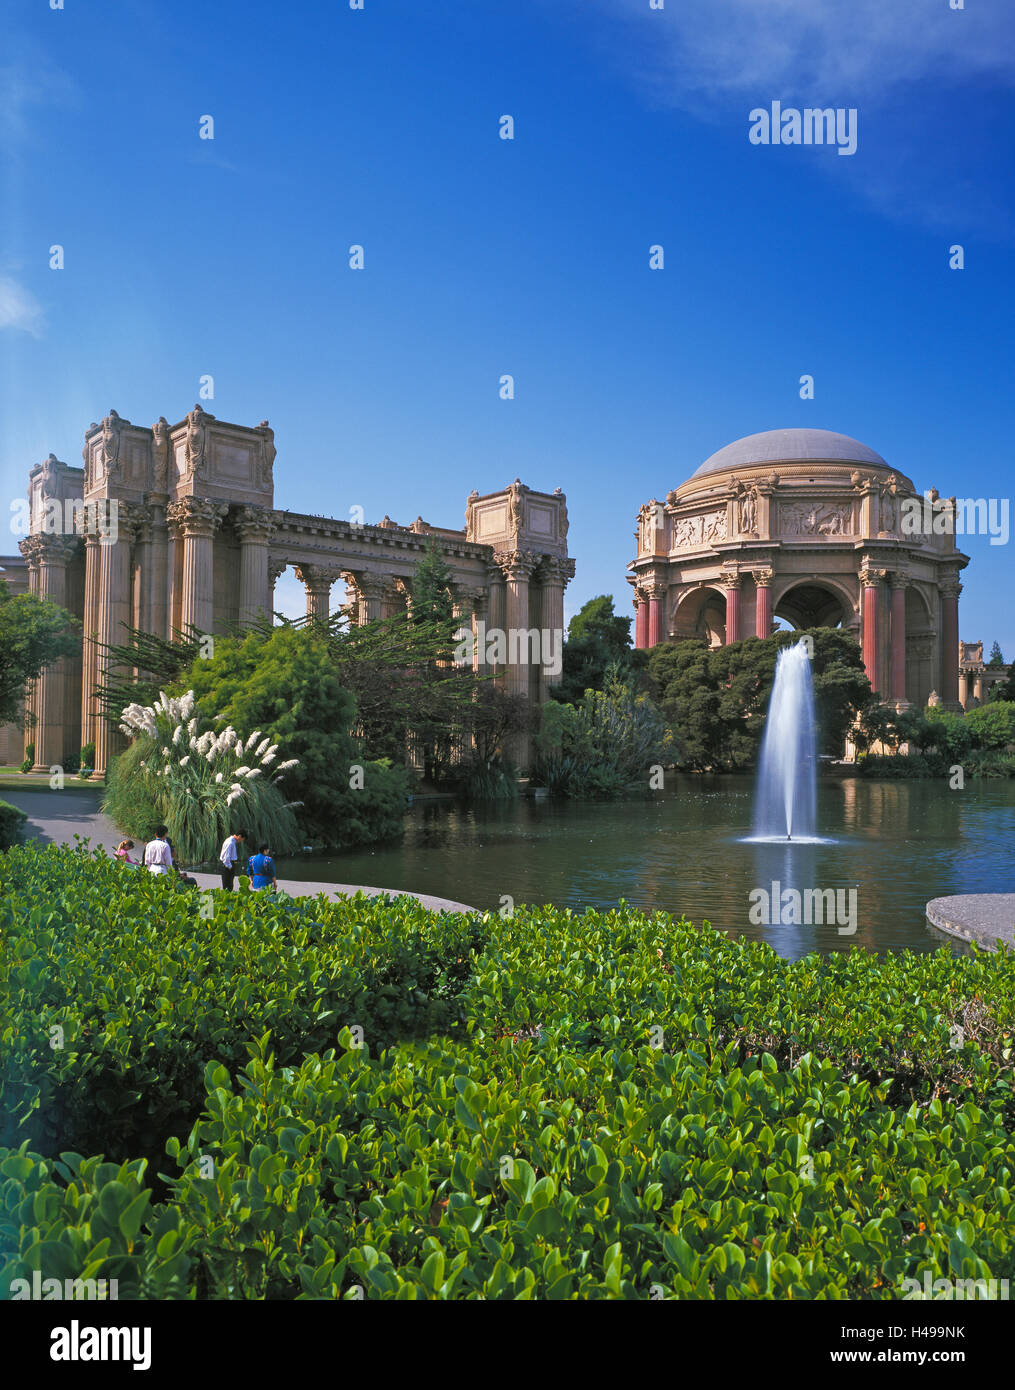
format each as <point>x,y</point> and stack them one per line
<point>528,257</point>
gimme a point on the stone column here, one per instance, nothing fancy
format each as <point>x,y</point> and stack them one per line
<point>949,691</point>
<point>114,614</point>
<point>197,519</point>
<point>142,586</point>
<point>899,584</point>
<point>655,593</point>
<point>255,528</point>
<point>371,596</point>
<point>318,580</point>
<point>89,650</point>
<point>732,590</point>
<point>518,566</point>
<point>497,607</point>
<point>159,585</point>
<point>763,602</point>
<point>978,687</point>
<point>964,684</point>
<point>480,619</point>
<point>640,620</point>
<point>277,565</point>
<point>556,575</point>
<point>871,579</point>
<point>48,557</point>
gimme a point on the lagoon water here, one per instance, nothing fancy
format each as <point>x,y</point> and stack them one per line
<point>688,850</point>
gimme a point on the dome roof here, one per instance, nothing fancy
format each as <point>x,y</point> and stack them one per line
<point>789,446</point>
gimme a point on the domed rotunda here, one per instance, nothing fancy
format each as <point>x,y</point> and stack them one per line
<point>806,526</point>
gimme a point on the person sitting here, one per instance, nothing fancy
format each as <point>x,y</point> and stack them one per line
<point>158,857</point>
<point>262,869</point>
<point>122,853</point>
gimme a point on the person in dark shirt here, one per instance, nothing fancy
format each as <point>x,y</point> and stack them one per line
<point>262,869</point>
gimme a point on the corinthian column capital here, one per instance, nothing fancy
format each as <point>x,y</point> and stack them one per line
<point>255,524</point>
<point>45,549</point>
<point>195,516</point>
<point>516,564</point>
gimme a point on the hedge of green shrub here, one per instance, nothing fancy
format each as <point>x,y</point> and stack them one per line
<point>119,991</point>
<point>604,1106</point>
<point>12,823</point>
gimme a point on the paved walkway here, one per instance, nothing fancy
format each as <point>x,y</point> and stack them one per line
<point>55,817</point>
<point>978,917</point>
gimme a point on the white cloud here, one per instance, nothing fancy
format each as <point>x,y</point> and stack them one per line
<point>703,51</point>
<point>19,308</point>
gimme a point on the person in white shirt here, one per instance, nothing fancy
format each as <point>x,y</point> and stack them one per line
<point>228,856</point>
<point>158,857</point>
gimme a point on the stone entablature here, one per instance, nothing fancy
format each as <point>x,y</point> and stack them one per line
<point>199,543</point>
<point>816,537</point>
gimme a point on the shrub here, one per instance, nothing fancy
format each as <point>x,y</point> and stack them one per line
<point>616,1105</point>
<point>87,764</point>
<point>993,725</point>
<point>603,746</point>
<point>12,823</point>
<point>191,781</point>
<point>29,761</point>
<point>143,990</point>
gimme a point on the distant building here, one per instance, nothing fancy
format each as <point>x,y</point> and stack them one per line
<point>199,542</point>
<point>814,528</point>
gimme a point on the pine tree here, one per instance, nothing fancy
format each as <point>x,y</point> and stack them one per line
<point>995,658</point>
<point>431,587</point>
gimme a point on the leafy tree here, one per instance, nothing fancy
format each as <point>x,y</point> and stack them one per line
<point>432,599</point>
<point>953,735</point>
<point>715,699</point>
<point>995,658</point>
<point>34,632</point>
<point>993,725</point>
<point>285,683</point>
<point>596,640</point>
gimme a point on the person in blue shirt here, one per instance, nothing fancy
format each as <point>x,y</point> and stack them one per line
<point>262,869</point>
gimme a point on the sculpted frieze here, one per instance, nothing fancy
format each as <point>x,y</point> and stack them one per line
<point>815,519</point>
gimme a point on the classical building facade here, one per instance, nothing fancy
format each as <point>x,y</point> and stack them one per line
<point>174,526</point>
<point>816,529</point>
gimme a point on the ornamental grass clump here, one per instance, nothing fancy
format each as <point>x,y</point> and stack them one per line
<point>199,784</point>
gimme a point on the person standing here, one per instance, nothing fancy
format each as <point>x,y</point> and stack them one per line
<point>262,869</point>
<point>158,857</point>
<point>228,856</point>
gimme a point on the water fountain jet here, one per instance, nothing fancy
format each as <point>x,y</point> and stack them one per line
<point>787,775</point>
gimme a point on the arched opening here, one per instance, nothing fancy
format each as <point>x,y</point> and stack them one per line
<point>811,604</point>
<point>701,613</point>
<point>921,648</point>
